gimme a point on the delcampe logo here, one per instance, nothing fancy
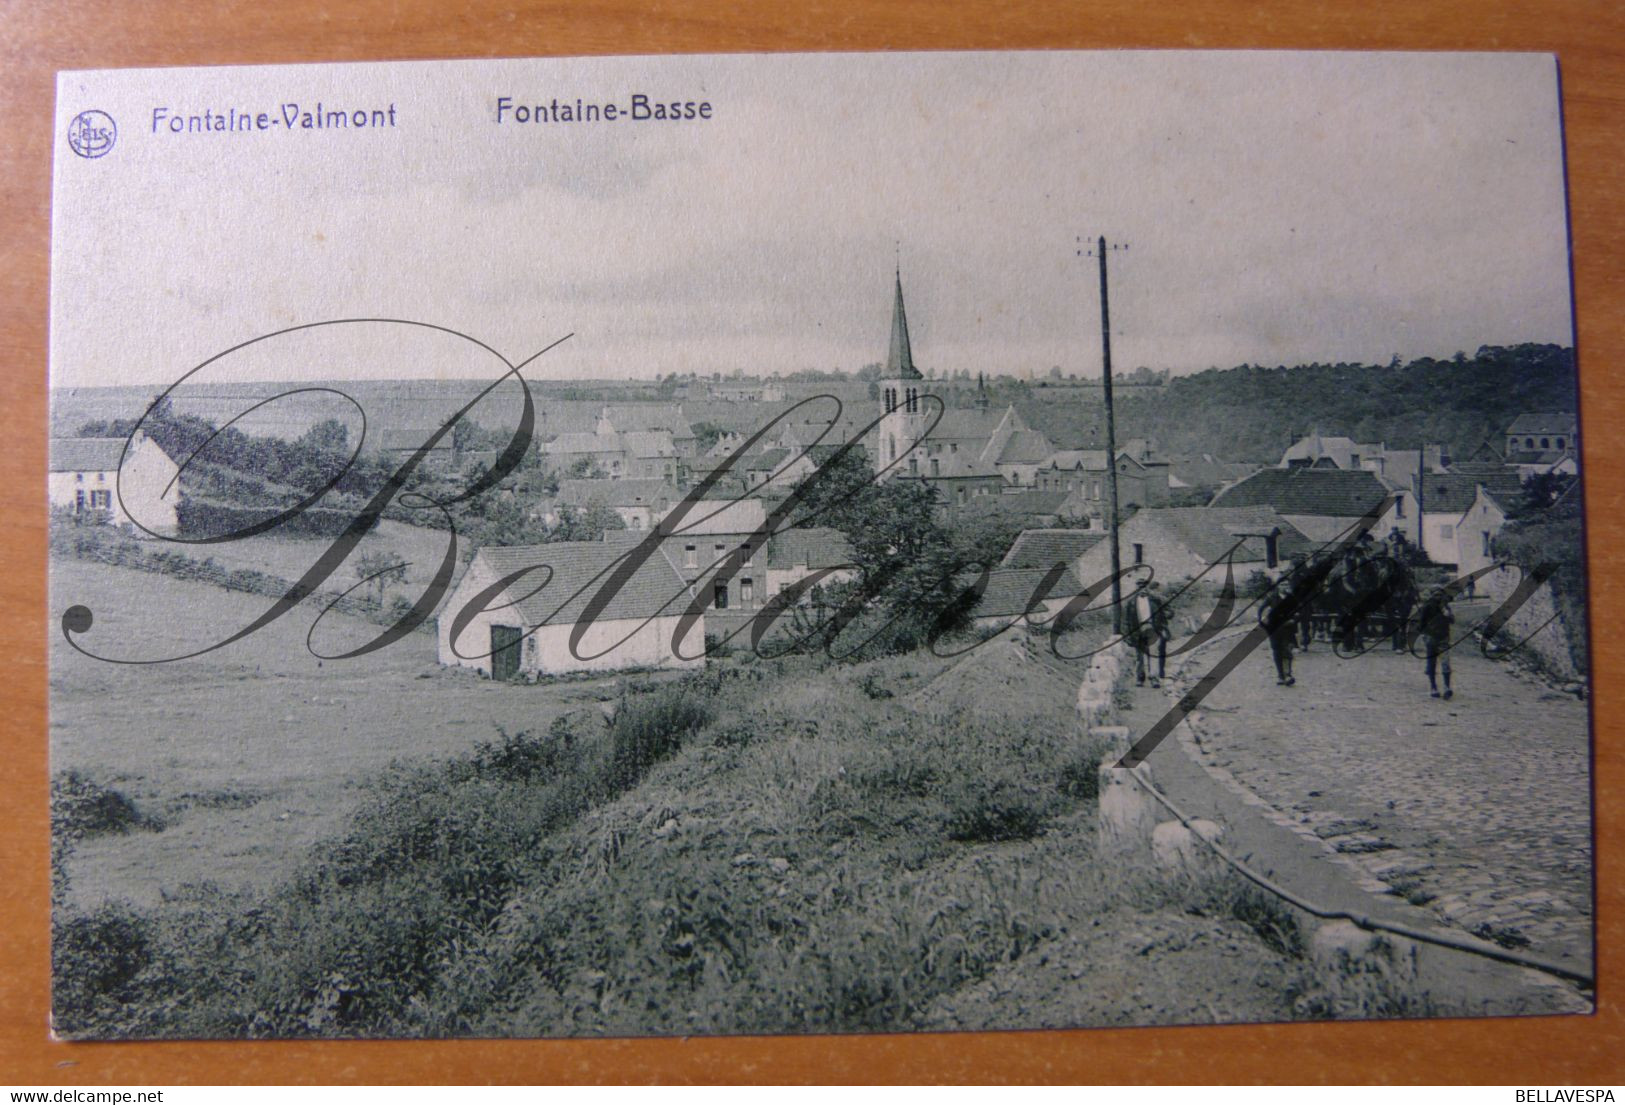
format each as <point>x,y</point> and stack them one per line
<point>92,134</point>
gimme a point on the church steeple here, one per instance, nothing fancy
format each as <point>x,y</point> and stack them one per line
<point>900,357</point>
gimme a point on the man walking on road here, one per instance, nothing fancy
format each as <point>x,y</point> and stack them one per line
<point>1434,619</point>
<point>1278,613</point>
<point>1148,629</point>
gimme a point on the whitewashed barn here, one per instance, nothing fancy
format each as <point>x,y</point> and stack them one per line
<point>525,628</point>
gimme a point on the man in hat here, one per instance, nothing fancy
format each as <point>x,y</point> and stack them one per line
<point>1278,613</point>
<point>1434,620</point>
<point>1148,630</point>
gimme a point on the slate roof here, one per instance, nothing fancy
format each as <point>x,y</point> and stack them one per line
<point>1205,471</point>
<point>1325,492</point>
<point>1010,591</point>
<point>899,355</point>
<point>86,454</point>
<point>642,417</point>
<point>1045,548</point>
<point>966,423</point>
<point>584,443</point>
<point>579,570</point>
<point>1070,460</point>
<point>648,443</point>
<point>1453,492</point>
<point>765,461</point>
<point>1543,423</point>
<point>616,492</point>
<point>708,518</point>
<point>813,546</point>
<point>1026,447</point>
<point>1210,531</point>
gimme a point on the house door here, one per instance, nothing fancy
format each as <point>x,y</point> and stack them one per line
<point>504,651</point>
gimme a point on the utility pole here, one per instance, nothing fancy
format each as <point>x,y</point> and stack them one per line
<point>1111,432</point>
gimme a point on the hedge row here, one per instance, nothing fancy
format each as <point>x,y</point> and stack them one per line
<point>108,546</point>
<point>207,518</point>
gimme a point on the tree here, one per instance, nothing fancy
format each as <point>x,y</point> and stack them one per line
<point>328,436</point>
<point>380,570</point>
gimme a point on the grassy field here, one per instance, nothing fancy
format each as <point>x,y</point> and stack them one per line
<point>766,846</point>
<point>251,753</point>
<point>290,557</point>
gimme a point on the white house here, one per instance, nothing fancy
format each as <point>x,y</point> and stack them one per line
<point>91,474</point>
<point>525,627</point>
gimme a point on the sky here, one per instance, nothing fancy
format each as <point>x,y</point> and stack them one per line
<point>1278,209</point>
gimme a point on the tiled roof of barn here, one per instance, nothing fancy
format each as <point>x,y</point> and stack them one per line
<point>579,569</point>
<point>1045,548</point>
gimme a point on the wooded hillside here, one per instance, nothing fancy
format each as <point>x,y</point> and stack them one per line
<point>1252,413</point>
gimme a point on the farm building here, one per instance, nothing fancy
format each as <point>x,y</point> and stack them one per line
<point>1181,543</point>
<point>525,628</point>
<point>95,474</point>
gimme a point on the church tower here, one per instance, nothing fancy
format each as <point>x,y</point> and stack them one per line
<point>905,419</point>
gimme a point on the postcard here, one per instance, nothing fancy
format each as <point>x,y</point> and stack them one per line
<point>815,544</point>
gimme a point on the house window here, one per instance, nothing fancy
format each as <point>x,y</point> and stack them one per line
<point>1545,443</point>
<point>1528,443</point>
<point>1272,547</point>
<point>750,553</point>
<point>79,477</point>
<point>719,596</point>
<point>1487,544</point>
<point>79,499</point>
<point>1560,444</point>
<point>936,467</point>
<point>101,500</point>
<point>688,556</point>
<point>101,477</point>
<point>914,466</point>
<point>1139,553</point>
<point>1399,508</point>
<point>637,521</point>
<point>953,447</point>
<point>746,590</point>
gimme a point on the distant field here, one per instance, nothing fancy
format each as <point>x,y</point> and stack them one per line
<point>291,557</point>
<point>253,752</point>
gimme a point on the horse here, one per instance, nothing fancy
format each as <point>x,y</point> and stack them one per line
<point>1376,593</point>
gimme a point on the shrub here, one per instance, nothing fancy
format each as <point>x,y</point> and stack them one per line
<point>95,957</point>
<point>648,729</point>
<point>988,813</point>
<point>81,807</point>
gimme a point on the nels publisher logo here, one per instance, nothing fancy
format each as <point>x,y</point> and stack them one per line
<point>92,134</point>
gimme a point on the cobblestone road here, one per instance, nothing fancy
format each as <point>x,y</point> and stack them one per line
<point>1477,808</point>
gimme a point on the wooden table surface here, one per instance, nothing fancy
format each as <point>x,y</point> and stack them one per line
<point>37,38</point>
